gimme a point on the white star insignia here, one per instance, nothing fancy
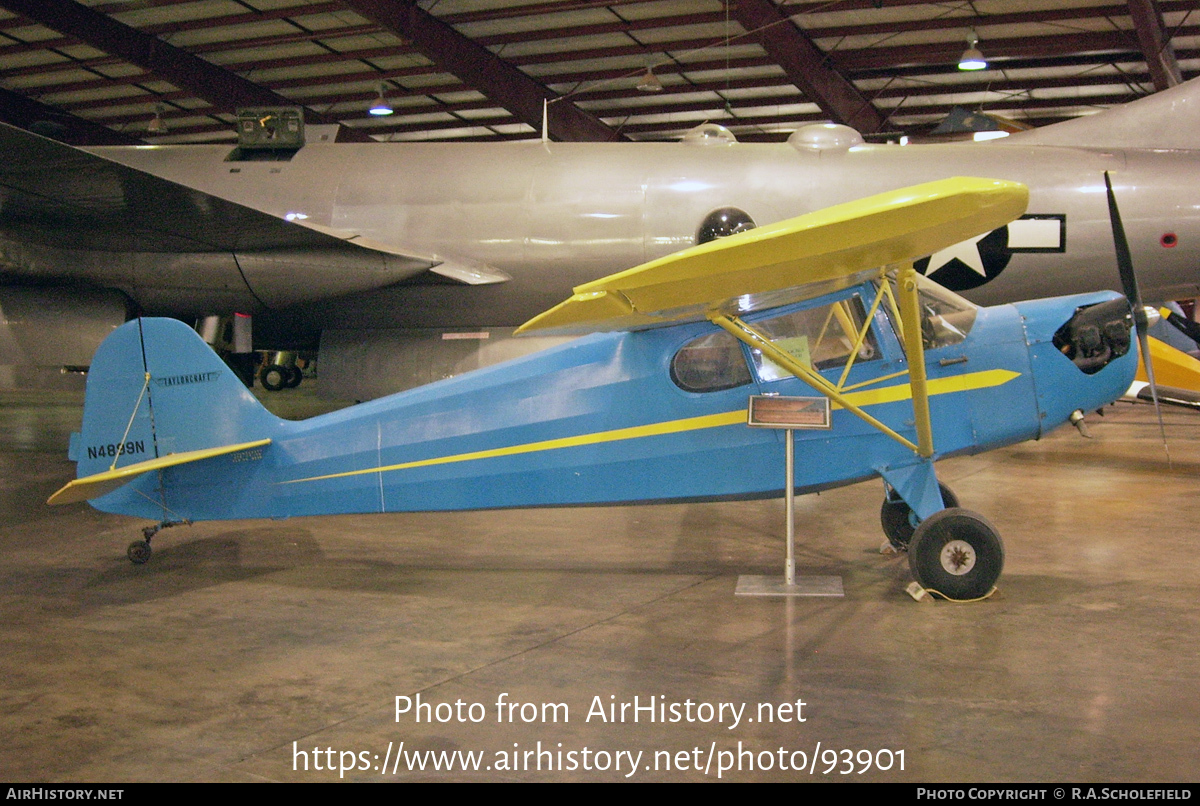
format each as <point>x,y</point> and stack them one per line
<point>967,251</point>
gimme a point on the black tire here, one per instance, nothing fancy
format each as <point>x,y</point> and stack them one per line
<point>295,375</point>
<point>138,552</point>
<point>273,377</point>
<point>897,521</point>
<point>956,553</point>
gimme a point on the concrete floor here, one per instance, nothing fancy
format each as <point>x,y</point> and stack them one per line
<point>242,643</point>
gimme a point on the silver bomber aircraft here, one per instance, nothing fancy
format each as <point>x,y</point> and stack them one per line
<point>429,240</point>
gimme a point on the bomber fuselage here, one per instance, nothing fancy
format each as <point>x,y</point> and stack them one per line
<point>555,215</point>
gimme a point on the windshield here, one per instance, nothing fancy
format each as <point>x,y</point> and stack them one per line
<point>820,338</point>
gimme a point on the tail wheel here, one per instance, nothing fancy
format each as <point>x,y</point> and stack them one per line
<point>273,377</point>
<point>899,521</point>
<point>138,552</point>
<point>956,553</point>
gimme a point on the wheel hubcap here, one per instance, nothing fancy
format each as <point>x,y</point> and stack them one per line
<point>958,557</point>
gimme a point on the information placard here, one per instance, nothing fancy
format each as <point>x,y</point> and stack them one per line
<point>774,411</point>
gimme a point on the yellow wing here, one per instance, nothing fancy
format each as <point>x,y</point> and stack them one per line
<point>827,245</point>
<point>98,484</point>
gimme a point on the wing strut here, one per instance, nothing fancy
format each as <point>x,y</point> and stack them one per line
<point>132,417</point>
<point>914,346</point>
<point>910,315</point>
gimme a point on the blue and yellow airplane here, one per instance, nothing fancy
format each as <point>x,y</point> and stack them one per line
<point>651,405</point>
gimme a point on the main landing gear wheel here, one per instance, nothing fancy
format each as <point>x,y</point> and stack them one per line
<point>274,377</point>
<point>898,519</point>
<point>295,375</point>
<point>957,554</point>
<point>139,552</point>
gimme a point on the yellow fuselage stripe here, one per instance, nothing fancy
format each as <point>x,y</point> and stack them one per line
<point>938,386</point>
<point>873,397</point>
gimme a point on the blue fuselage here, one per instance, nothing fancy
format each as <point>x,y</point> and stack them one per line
<point>600,420</point>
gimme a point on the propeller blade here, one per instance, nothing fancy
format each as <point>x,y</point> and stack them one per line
<point>1144,343</point>
<point>1134,295</point>
<point>1124,260</point>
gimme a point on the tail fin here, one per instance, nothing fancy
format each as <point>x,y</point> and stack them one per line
<point>155,389</point>
<point>1166,119</point>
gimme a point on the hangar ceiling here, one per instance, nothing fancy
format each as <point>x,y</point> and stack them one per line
<point>472,70</point>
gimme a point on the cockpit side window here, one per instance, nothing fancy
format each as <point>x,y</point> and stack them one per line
<point>946,318</point>
<point>710,363</point>
<point>821,337</point>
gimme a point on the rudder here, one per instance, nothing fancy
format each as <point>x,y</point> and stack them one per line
<point>155,388</point>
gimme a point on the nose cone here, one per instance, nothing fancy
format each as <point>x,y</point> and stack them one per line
<point>1079,351</point>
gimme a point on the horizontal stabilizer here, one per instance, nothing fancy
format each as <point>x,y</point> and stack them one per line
<point>98,484</point>
<point>1167,395</point>
<point>827,245</point>
<point>1171,367</point>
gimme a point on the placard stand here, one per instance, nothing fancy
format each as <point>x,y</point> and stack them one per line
<point>789,413</point>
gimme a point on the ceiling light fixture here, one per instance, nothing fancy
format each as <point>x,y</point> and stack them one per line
<point>381,108</point>
<point>972,58</point>
<point>156,125</point>
<point>650,82</point>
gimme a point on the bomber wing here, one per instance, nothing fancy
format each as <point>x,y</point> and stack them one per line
<point>54,194</point>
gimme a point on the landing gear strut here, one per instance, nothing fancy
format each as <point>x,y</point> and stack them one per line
<point>139,550</point>
<point>898,519</point>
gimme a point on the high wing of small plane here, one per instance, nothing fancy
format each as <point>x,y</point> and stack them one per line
<point>653,407</point>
